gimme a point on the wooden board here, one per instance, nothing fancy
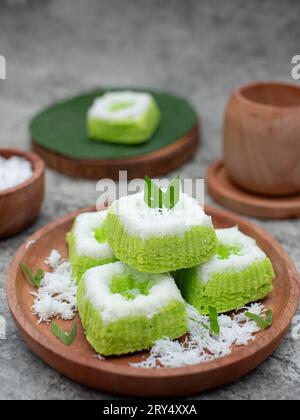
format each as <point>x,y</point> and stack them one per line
<point>59,136</point>
<point>114,375</point>
<point>152,164</point>
<point>225,192</point>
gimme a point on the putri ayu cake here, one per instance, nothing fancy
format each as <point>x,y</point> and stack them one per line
<point>238,274</point>
<point>123,311</point>
<point>88,246</point>
<point>123,117</point>
<point>158,240</point>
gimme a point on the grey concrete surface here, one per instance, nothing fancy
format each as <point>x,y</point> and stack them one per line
<point>200,49</point>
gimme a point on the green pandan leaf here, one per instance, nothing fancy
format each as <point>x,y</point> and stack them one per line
<point>263,323</point>
<point>39,275</point>
<point>214,323</point>
<point>172,194</point>
<point>34,279</point>
<point>66,338</point>
<point>153,195</point>
<point>155,198</point>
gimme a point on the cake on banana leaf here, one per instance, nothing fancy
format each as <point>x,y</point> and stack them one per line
<point>123,117</point>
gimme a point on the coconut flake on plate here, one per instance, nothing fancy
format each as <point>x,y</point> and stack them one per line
<point>200,345</point>
<point>56,297</point>
<point>54,259</point>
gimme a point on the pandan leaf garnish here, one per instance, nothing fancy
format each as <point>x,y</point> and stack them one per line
<point>199,323</point>
<point>263,323</point>
<point>66,338</point>
<point>214,323</point>
<point>155,198</point>
<point>36,278</point>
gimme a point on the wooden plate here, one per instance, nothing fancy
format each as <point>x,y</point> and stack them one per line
<point>59,136</point>
<point>225,192</point>
<point>114,374</point>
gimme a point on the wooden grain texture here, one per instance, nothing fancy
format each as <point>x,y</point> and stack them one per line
<point>262,138</point>
<point>20,205</point>
<point>114,375</point>
<point>225,192</point>
<point>152,164</point>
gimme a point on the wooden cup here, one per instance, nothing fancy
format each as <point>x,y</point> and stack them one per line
<point>262,138</point>
<point>20,205</point>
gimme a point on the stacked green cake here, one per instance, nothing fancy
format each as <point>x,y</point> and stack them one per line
<point>160,240</point>
<point>239,273</point>
<point>123,258</point>
<point>88,246</point>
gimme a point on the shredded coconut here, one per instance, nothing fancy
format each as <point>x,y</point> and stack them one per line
<point>141,220</point>
<point>54,259</point>
<point>200,345</point>
<point>29,244</point>
<point>99,357</point>
<point>135,105</point>
<point>56,296</point>
<point>14,171</point>
<point>249,253</point>
<point>2,328</point>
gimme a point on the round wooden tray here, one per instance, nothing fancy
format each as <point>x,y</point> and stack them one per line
<point>225,192</point>
<point>114,374</point>
<point>59,137</point>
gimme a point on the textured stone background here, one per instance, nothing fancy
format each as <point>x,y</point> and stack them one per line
<point>200,49</point>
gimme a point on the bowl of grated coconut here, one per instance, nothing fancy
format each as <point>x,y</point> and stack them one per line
<point>22,187</point>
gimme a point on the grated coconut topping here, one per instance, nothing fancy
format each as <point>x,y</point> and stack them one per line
<point>56,297</point>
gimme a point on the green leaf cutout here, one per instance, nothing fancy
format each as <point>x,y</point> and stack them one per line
<point>225,251</point>
<point>66,338</point>
<point>155,198</point>
<point>34,279</point>
<point>214,323</point>
<point>263,323</point>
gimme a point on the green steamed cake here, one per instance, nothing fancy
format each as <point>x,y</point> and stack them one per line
<point>160,240</point>
<point>123,311</point>
<point>238,274</point>
<point>123,117</point>
<point>88,246</point>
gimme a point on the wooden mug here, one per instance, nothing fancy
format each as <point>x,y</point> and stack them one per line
<point>262,138</point>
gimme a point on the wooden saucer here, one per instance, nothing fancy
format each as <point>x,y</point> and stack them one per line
<point>114,374</point>
<point>221,188</point>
